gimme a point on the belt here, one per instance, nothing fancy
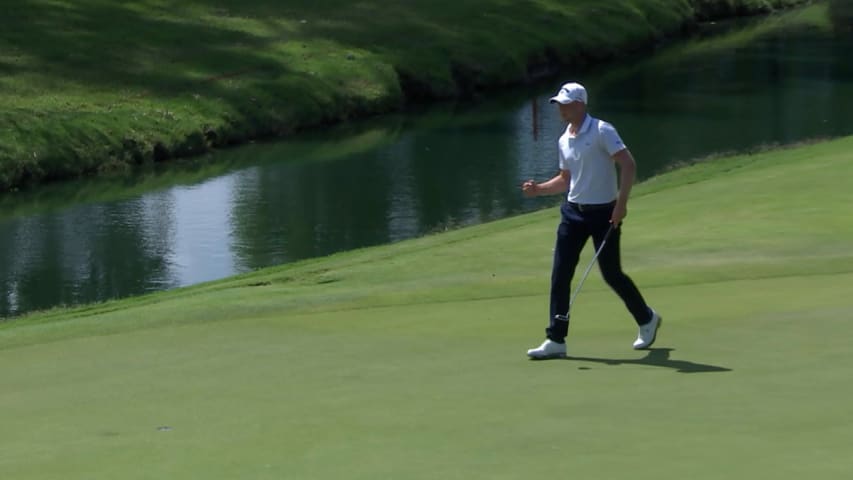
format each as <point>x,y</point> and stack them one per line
<point>590,207</point>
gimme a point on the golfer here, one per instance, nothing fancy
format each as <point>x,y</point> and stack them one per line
<point>590,149</point>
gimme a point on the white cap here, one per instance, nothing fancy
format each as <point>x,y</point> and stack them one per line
<point>570,92</point>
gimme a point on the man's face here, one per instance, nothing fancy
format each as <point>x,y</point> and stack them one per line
<point>572,112</point>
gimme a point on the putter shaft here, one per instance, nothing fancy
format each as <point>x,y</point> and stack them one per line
<point>588,268</point>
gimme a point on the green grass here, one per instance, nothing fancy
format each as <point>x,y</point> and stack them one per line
<point>814,18</point>
<point>407,360</point>
<point>350,140</point>
<point>97,85</point>
<point>711,9</point>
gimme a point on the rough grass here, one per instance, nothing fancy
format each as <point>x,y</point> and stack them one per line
<point>97,85</point>
<point>407,360</point>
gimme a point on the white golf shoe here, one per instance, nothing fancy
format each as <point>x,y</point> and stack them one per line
<point>648,332</point>
<point>548,349</point>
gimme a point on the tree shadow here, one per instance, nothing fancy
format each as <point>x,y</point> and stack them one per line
<point>658,357</point>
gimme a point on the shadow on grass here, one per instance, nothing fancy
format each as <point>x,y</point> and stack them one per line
<point>658,357</point>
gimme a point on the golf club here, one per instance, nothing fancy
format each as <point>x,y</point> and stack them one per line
<point>594,258</point>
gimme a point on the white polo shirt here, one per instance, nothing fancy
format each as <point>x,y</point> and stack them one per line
<point>588,157</point>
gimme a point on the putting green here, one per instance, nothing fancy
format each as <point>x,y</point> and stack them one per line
<point>407,361</point>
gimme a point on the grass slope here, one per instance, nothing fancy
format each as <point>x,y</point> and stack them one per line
<point>97,85</point>
<point>407,361</point>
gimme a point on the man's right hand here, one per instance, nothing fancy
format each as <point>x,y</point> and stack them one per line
<point>529,188</point>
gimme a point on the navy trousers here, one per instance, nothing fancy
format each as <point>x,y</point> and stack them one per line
<point>579,223</point>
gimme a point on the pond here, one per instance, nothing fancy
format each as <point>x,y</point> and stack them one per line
<point>403,176</point>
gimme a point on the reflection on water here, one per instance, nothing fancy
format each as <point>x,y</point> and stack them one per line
<point>269,204</point>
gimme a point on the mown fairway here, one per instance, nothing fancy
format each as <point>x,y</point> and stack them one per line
<point>407,361</point>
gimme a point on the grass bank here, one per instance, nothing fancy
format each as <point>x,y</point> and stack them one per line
<point>407,360</point>
<point>95,85</point>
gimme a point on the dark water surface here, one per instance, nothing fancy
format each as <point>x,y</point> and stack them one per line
<point>404,176</point>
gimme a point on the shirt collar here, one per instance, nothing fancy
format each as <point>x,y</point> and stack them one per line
<point>587,122</point>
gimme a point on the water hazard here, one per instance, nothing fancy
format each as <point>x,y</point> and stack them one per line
<point>404,176</point>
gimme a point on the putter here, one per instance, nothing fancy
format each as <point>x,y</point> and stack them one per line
<point>594,258</point>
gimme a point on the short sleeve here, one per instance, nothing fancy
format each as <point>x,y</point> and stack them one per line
<point>561,157</point>
<point>610,139</point>
<point>561,160</point>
